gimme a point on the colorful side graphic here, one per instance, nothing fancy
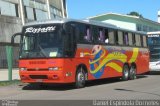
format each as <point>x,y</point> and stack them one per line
<point>100,59</point>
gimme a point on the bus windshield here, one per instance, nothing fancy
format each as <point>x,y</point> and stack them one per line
<point>154,47</point>
<point>42,42</point>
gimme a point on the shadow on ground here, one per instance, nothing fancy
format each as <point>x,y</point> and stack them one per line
<point>60,87</point>
<point>129,90</point>
<point>154,72</point>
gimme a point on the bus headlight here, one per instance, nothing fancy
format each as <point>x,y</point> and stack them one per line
<point>54,68</point>
<point>23,69</point>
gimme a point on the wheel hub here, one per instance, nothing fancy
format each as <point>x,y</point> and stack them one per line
<point>80,77</point>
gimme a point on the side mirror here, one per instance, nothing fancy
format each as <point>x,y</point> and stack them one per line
<point>12,39</point>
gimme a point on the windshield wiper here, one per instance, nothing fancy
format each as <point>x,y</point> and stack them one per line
<point>42,51</point>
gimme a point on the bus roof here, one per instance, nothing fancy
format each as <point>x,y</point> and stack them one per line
<point>156,32</point>
<point>86,21</point>
<point>69,20</point>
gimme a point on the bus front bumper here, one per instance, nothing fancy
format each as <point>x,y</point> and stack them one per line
<point>44,77</point>
<point>154,66</point>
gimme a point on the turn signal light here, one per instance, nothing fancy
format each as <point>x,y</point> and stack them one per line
<point>54,68</point>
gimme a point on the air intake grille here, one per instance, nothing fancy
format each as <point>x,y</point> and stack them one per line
<point>38,77</point>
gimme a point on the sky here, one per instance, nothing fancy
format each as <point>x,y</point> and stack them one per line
<point>81,9</point>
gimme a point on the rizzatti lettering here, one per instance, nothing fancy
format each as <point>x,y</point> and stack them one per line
<point>38,30</point>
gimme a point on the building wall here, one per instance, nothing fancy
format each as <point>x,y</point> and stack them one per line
<point>147,26</point>
<point>38,10</point>
<point>122,24</point>
<point>11,18</point>
<point>9,26</point>
<point>129,22</point>
<point>9,8</point>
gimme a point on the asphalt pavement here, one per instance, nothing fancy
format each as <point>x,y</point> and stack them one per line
<point>145,87</point>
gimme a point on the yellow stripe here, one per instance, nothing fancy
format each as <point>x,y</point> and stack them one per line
<point>134,55</point>
<point>121,57</point>
<point>109,57</point>
<point>115,66</point>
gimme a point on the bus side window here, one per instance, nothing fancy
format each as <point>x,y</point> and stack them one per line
<point>137,38</point>
<point>133,40</point>
<point>125,38</point>
<point>106,36</point>
<point>84,33</point>
<point>116,37</point>
<point>95,34</point>
<point>101,36</point>
<point>145,40</point>
<point>130,37</point>
<point>141,38</point>
<point>111,36</point>
<point>77,34</point>
<point>81,35</point>
<point>88,34</point>
<point>120,37</point>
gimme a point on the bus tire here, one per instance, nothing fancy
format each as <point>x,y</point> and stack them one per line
<point>125,72</point>
<point>132,72</point>
<point>80,78</point>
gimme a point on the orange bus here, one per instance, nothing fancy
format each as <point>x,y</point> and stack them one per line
<point>74,51</point>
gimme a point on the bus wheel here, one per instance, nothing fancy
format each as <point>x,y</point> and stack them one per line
<point>132,72</point>
<point>80,78</point>
<point>125,72</point>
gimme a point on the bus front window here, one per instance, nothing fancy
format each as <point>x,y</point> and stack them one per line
<point>154,47</point>
<point>42,43</point>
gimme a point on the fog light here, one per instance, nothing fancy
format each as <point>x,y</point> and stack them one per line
<point>23,77</point>
<point>68,74</point>
<point>23,69</point>
<point>55,76</point>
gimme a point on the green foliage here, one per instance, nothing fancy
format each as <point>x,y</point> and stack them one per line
<point>7,83</point>
<point>133,13</point>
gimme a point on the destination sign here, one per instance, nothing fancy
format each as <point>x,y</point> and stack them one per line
<point>40,30</point>
<point>154,35</point>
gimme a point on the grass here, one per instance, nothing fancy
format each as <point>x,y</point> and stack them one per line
<point>7,83</point>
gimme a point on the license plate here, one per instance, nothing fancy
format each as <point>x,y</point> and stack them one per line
<point>39,80</point>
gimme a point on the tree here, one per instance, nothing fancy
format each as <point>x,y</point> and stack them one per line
<point>133,13</point>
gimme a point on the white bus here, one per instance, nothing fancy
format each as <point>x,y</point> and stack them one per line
<point>154,47</point>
